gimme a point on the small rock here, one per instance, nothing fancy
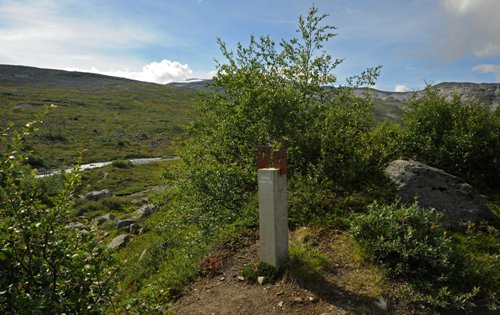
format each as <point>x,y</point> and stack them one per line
<point>76,226</point>
<point>119,241</point>
<point>143,253</point>
<point>138,202</point>
<point>98,194</point>
<point>261,280</point>
<point>134,228</point>
<point>381,304</point>
<point>280,293</point>
<point>141,231</point>
<point>312,299</point>
<point>124,223</point>
<point>298,300</point>
<point>280,304</point>
<point>145,211</point>
<point>103,218</point>
<point>222,278</point>
<point>240,278</point>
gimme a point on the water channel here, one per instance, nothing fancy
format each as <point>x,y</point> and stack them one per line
<point>89,166</point>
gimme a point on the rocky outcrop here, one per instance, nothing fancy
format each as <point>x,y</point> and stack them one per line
<point>98,194</point>
<point>434,188</point>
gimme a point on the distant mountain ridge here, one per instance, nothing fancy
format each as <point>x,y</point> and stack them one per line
<point>486,93</point>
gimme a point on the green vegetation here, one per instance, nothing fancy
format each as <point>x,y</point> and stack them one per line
<point>410,242</point>
<point>98,118</point>
<point>264,93</point>
<point>456,135</point>
<point>122,163</point>
<point>45,265</point>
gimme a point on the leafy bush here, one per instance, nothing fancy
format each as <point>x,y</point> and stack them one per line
<point>410,242</point>
<point>268,93</point>
<point>457,135</point>
<point>45,266</point>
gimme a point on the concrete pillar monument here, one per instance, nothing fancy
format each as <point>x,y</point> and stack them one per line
<point>273,206</point>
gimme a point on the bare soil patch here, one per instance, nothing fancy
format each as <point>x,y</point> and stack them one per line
<point>347,286</point>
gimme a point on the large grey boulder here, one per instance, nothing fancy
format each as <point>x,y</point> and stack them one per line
<point>119,241</point>
<point>98,194</point>
<point>434,188</point>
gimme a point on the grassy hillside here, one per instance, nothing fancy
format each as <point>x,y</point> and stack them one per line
<point>97,117</point>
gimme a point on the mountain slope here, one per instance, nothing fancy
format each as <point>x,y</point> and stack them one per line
<point>97,117</point>
<point>390,105</point>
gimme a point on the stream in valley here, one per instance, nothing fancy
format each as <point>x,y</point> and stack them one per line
<point>89,166</point>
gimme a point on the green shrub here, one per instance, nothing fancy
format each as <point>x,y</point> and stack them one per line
<point>412,245</point>
<point>274,94</point>
<point>456,135</point>
<point>122,163</point>
<point>270,273</point>
<point>45,266</point>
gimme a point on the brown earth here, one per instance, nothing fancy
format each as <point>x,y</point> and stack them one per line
<point>345,286</point>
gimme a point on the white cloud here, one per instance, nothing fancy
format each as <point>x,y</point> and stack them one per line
<point>401,88</point>
<point>53,34</point>
<point>486,68</point>
<point>471,26</point>
<point>162,72</point>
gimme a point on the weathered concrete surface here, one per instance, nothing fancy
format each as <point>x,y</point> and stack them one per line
<point>273,217</point>
<point>434,188</point>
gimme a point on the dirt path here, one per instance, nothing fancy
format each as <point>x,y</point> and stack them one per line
<point>224,292</point>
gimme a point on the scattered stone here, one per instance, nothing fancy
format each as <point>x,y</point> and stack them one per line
<point>103,218</point>
<point>298,300</point>
<point>134,228</point>
<point>280,304</point>
<point>125,223</point>
<point>261,280</point>
<point>434,188</point>
<point>312,299</point>
<point>222,278</point>
<point>138,202</point>
<point>119,241</point>
<point>141,231</point>
<point>76,226</point>
<point>240,278</point>
<point>279,293</point>
<point>143,253</point>
<point>381,304</point>
<point>98,194</point>
<point>145,211</point>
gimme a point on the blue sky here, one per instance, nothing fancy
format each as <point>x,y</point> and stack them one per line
<point>415,41</point>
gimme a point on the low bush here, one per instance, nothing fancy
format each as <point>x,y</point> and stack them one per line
<point>122,164</point>
<point>457,135</point>
<point>414,247</point>
<point>45,266</point>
